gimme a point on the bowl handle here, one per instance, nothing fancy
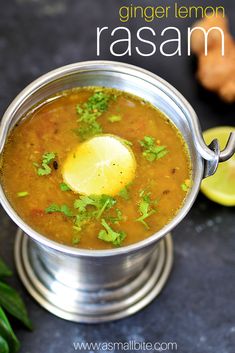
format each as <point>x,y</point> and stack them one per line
<point>219,156</point>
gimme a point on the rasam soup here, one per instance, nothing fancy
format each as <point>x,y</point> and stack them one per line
<point>95,168</point>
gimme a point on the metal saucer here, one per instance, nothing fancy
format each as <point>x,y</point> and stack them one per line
<point>72,304</point>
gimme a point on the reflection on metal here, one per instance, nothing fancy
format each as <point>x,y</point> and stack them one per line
<point>70,298</point>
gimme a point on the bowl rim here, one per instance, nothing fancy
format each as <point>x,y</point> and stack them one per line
<point>113,66</point>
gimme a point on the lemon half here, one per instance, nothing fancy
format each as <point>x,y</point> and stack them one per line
<point>101,165</point>
<point>220,187</point>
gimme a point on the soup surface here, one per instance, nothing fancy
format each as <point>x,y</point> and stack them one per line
<point>54,168</point>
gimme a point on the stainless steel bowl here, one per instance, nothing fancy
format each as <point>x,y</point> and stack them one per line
<point>100,285</point>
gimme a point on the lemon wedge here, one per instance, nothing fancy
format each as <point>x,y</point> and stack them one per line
<point>220,187</point>
<point>101,165</point>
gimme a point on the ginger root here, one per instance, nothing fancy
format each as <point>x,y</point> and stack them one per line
<point>215,72</point>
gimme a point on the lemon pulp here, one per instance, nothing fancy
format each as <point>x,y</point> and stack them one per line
<point>221,186</point>
<point>101,165</point>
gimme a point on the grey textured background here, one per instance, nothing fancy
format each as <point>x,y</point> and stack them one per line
<point>196,308</point>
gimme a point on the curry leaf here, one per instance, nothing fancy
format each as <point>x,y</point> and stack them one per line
<point>7,333</point>
<point>11,301</point>
<point>4,348</point>
<point>4,270</point>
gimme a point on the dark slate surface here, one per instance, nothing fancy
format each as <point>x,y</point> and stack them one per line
<point>196,308</point>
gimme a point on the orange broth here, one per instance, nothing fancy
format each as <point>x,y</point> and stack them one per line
<point>52,126</point>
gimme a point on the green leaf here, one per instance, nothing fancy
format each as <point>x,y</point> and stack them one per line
<point>4,270</point>
<point>186,185</point>
<point>76,239</point>
<point>124,193</point>
<point>48,157</point>
<point>151,151</point>
<point>4,348</point>
<point>116,219</point>
<point>22,193</point>
<point>64,187</point>
<point>59,208</point>
<point>11,301</point>
<point>85,131</point>
<point>7,333</point>
<point>127,142</point>
<point>81,219</point>
<point>111,236</point>
<point>101,203</point>
<point>115,118</point>
<point>146,208</point>
<point>45,169</point>
<point>88,113</point>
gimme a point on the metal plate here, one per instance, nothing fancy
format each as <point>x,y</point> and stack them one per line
<point>116,303</point>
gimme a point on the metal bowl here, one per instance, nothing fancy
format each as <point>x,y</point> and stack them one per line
<point>105,284</point>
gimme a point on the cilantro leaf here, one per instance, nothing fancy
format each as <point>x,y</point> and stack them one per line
<point>76,239</point>
<point>64,187</point>
<point>152,151</point>
<point>124,193</point>
<point>48,157</point>
<point>98,102</point>
<point>88,113</point>
<point>89,129</point>
<point>22,193</point>
<point>101,203</point>
<point>127,142</point>
<point>146,208</point>
<point>115,118</point>
<point>111,236</point>
<point>116,219</point>
<point>81,219</point>
<point>186,185</point>
<point>59,208</point>
<point>45,169</point>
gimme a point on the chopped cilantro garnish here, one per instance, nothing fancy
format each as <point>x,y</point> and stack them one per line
<point>101,203</point>
<point>111,236</point>
<point>59,208</point>
<point>45,169</point>
<point>22,193</point>
<point>128,143</point>
<point>152,151</point>
<point>186,185</point>
<point>88,129</point>
<point>97,103</point>
<point>124,193</point>
<point>48,157</point>
<point>115,118</point>
<point>81,219</point>
<point>88,113</point>
<point>76,238</point>
<point>91,207</point>
<point>146,207</point>
<point>88,208</point>
<point>64,187</point>
<point>116,219</point>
